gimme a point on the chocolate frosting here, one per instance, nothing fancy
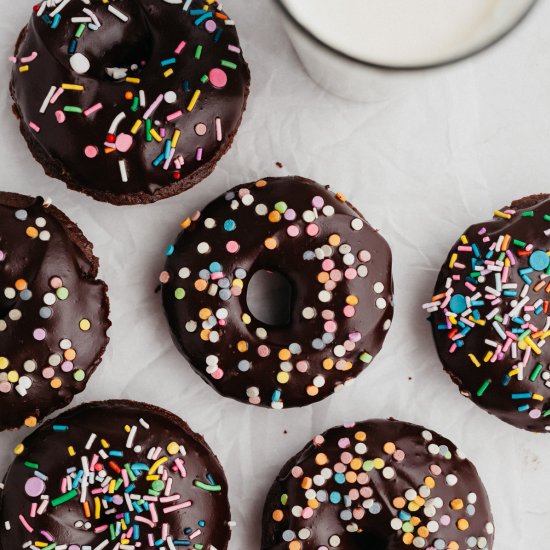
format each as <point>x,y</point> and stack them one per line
<point>137,475</point>
<point>53,310</point>
<point>339,269</point>
<point>490,314</point>
<point>183,55</point>
<point>381,485</point>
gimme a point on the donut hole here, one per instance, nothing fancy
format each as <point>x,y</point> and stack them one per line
<point>269,298</point>
<point>117,50</point>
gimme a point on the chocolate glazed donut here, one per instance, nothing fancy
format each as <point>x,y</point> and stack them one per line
<point>381,485</point>
<point>490,314</point>
<point>53,310</point>
<point>337,268</point>
<point>129,101</point>
<point>112,475</point>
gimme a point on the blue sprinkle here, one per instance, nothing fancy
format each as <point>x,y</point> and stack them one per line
<point>170,249</point>
<point>458,303</point>
<point>229,225</point>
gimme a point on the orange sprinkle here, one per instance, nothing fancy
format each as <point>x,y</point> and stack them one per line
<point>201,284</point>
<point>128,95</point>
<point>261,183</point>
<point>32,232</point>
<point>294,545</point>
<point>457,504</point>
<point>307,483</point>
<point>408,538</point>
<point>399,502</point>
<point>321,459</point>
<point>334,240</point>
<point>284,355</point>
<point>462,524</point>
<point>360,436</point>
<point>274,216</point>
<point>20,284</point>
<point>271,243</point>
<point>55,383</point>
<point>242,346</point>
<point>204,313</point>
<point>389,448</point>
<point>69,354</point>
<point>278,515</point>
<point>323,277</point>
<point>312,391</point>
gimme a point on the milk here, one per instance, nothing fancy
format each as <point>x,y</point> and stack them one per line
<point>407,33</point>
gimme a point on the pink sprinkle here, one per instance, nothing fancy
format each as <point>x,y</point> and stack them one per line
<point>263,351</point>
<point>60,117</point>
<point>233,48</point>
<point>124,142</point>
<point>219,135</point>
<point>39,334</point>
<point>327,264</point>
<point>174,116</point>
<point>399,455</point>
<point>217,78</point>
<point>217,374</point>
<point>177,507</point>
<point>91,151</point>
<point>293,230</point>
<point>336,275</point>
<point>195,534</point>
<point>297,472</point>
<point>445,520</point>
<point>302,366</point>
<point>93,109</point>
<point>318,440</point>
<point>349,311</point>
<point>55,96</point>
<point>344,443</point>
<point>180,47</point>
<point>307,513</point>
<point>198,156</point>
<point>25,524</point>
<point>330,326</point>
<point>34,127</point>
<point>153,107</point>
<point>232,247</point>
<point>5,387</point>
<point>350,273</point>
<point>312,230</point>
<point>13,59</point>
<point>29,58</point>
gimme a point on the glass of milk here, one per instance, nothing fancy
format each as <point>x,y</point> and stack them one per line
<point>367,50</point>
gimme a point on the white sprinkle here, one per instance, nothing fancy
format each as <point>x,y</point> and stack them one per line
<point>59,8</point>
<point>116,121</point>
<point>123,172</point>
<point>79,63</point>
<point>90,442</point>
<point>47,99</point>
<point>131,436</point>
<point>117,13</point>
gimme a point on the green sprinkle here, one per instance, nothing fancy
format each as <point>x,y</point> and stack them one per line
<point>517,242</point>
<point>135,104</point>
<point>148,126</point>
<point>72,109</point>
<point>546,413</point>
<point>228,64</point>
<point>529,214</point>
<point>64,498</point>
<point>524,335</point>
<point>484,386</point>
<point>130,473</point>
<point>31,465</point>
<point>157,485</point>
<point>536,372</point>
<point>499,318</point>
<point>209,488</point>
<point>365,357</point>
<point>50,546</point>
<point>281,207</point>
<point>62,293</point>
<point>79,375</point>
<point>284,499</point>
<point>204,78</point>
<point>547,217</point>
<point>80,30</point>
<point>179,294</point>
<point>198,52</point>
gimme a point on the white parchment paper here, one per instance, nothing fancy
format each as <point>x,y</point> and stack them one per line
<point>422,167</point>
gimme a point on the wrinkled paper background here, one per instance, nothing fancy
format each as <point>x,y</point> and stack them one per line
<point>421,167</point>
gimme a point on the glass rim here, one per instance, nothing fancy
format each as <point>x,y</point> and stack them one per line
<point>384,67</point>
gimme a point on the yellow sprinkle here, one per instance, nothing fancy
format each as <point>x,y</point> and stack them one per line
<point>474,360</point>
<point>464,239</point>
<point>4,363</point>
<point>538,397</point>
<point>513,372</point>
<point>19,449</point>
<point>31,421</point>
<point>71,451</point>
<point>175,138</point>
<point>193,101</point>
<point>105,443</point>
<point>97,504</point>
<point>156,465</point>
<point>23,69</point>
<point>168,73</point>
<point>454,258</point>
<point>112,486</point>
<point>152,478</point>
<point>283,377</point>
<point>500,214</point>
<point>173,448</point>
<point>340,197</point>
<point>185,223</point>
<point>532,345</point>
<point>246,318</point>
<point>75,87</point>
<point>133,80</point>
<point>136,126</point>
<point>85,325</point>
<point>488,356</point>
<point>155,135</point>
